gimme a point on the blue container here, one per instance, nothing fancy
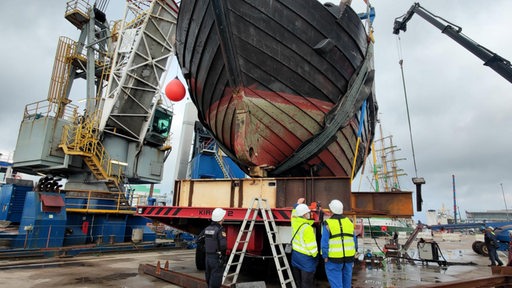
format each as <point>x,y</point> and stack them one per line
<point>148,235</point>
<point>12,200</point>
<point>76,203</point>
<point>43,222</point>
<point>108,228</point>
<point>77,229</point>
<point>103,204</point>
<point>205,166</point>
<point>74,236</point>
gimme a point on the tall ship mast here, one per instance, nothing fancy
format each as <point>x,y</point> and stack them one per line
<point>385,164</point>
<point>385,177</point>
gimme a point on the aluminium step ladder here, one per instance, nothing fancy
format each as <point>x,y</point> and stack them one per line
<point>260,207</point>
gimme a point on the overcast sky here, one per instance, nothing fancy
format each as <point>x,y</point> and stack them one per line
<point>459,109</point>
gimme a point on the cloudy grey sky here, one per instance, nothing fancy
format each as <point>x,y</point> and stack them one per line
<point>459,108</point>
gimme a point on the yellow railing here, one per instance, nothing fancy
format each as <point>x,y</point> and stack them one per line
<point>59,83</point>
<point>116,28</point>
<point>99,201</point>
<point>82,139</point>
<point>137,21</point>
<point>44,108</point>
<point>80,6</point>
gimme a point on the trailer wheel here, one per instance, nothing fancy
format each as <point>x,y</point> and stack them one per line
<point>481,248</point>
<point>475,247</point>
<point>484,249</point>
<point>200,257</point>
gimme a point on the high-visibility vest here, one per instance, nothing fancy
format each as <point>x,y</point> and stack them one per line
<point>305,239</point>
<point>341,241</point>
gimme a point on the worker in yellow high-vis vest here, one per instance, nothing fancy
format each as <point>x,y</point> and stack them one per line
<point>338,247</point>
<point>305,248</point>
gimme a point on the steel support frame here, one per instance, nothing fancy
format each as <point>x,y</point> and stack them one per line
<point>149,28</point>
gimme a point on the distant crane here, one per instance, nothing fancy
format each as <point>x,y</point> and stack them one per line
<point>494,61</point>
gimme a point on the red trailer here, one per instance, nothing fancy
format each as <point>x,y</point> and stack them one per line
<point>194,201</point>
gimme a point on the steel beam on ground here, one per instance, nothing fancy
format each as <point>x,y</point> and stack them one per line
<point>180,279</point>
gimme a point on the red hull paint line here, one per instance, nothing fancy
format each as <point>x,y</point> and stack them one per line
<point>265,86</point>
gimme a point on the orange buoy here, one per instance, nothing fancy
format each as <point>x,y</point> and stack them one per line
<point>384,228</point>
<point>175,90</point>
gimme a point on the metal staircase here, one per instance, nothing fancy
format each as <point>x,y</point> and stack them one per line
<point>258,207</point>
<point>82,140</point>
<point>220,162</point>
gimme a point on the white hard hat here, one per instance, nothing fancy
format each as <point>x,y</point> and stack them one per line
<point>336,206</point>
<point>490,227</point>
<point>301,209</point>
<point>218,214</point>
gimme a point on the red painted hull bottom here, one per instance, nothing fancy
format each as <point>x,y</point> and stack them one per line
<point>263,129</point>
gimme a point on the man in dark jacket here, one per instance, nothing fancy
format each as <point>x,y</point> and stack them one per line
<point>492,243</point>
<point>215,245</point>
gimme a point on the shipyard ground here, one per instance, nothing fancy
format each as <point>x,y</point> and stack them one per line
<point>121,270</point>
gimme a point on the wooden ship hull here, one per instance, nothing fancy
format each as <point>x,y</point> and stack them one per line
<point>284,86</point>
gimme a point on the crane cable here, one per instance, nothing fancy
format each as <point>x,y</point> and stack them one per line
<point>401,62</point>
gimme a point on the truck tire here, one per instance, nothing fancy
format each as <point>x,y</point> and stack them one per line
<point>200,257</point>
<point>484,249</point>
<point>475,247</point>
<point>481,248</point>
